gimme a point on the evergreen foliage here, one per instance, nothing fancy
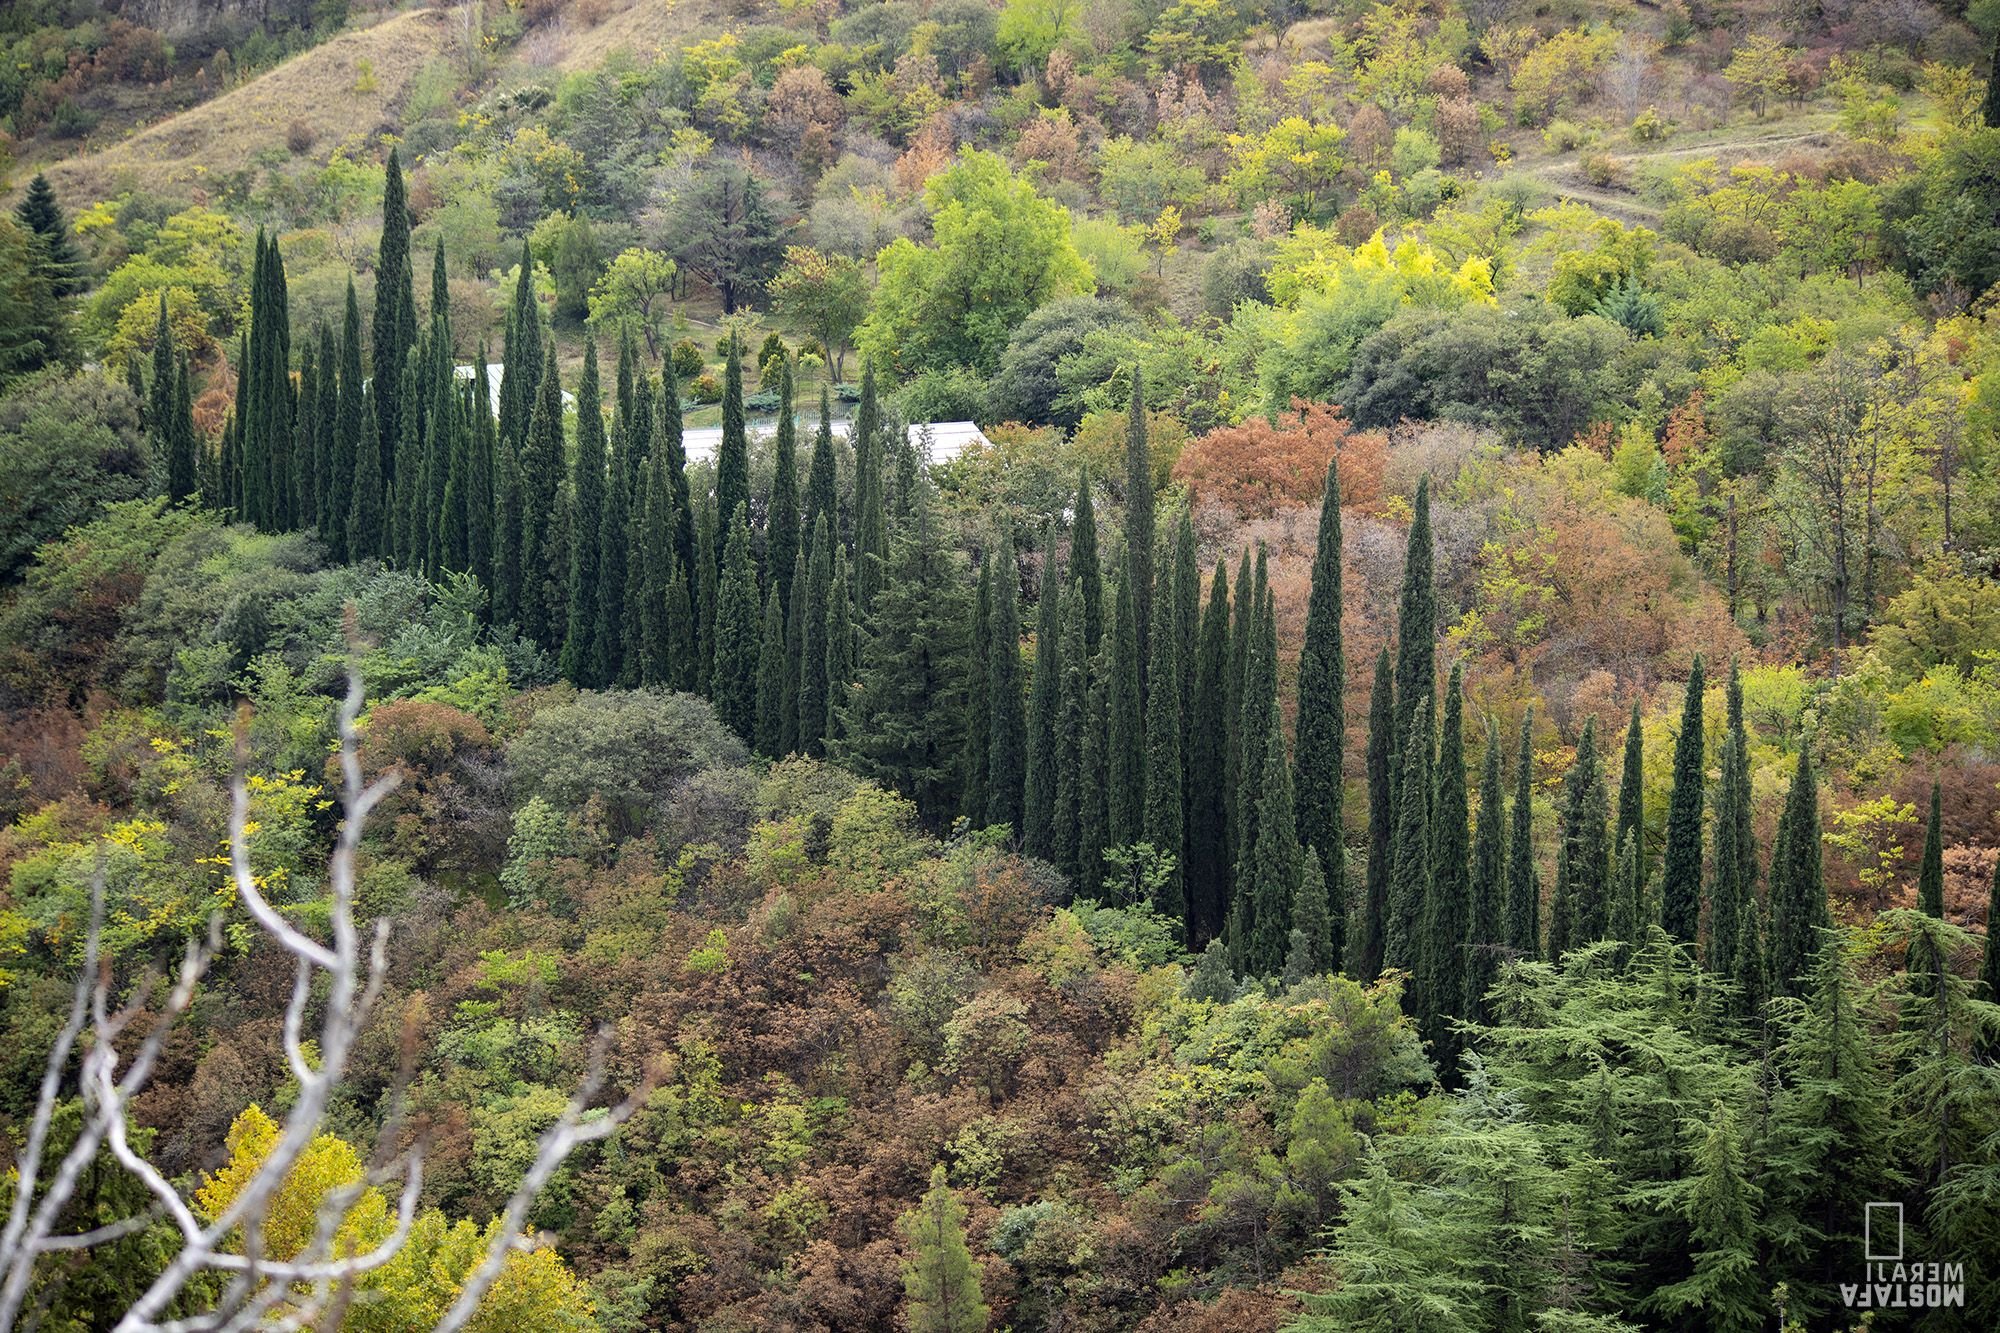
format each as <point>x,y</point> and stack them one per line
<point>1680,912</point>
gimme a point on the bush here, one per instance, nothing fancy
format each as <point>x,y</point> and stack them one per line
<point>1650,127</point>
<point>705,388</point>
<point>1603,170</point>
<point>300,137</point>
<point>631,752</point>
<point>687,359</point>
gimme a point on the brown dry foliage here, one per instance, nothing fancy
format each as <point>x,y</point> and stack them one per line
<point>1257,467</point>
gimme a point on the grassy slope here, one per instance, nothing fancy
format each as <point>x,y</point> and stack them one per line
<point>227,133</point>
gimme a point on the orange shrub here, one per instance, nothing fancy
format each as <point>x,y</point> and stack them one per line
<point>1258,468</point>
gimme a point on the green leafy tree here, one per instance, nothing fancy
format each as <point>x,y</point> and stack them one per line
<point>828,293</point>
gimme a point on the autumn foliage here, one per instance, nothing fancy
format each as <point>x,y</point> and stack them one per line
<point>1257,467</point>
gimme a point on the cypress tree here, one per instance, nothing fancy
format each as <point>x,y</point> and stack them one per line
<point>1207,877</point>
<point>1276,863</point>
<point>812,639</point>
<point>351,431</point>
<point>1486,922</point>
<point>1094,802</point>
<point>682,660</point>
<point>1989,959</point>
<point>1007,735</point>
<point>732,460</point>
<point>1311,921</point>
<point>1632,786</point>
<point>1524,898</point>
<point>412,540</point>
<point>1447,907</point>
<point>1381,819</point>
<point>1125,789</point>
<point>781,523</point>
<point>1680,903</point>
<point>158,401</point>
<point>479,484</point>
<point>247,488</point>
<point>1416,618</point>
<point>440,525</point>
<point>669,442</point>
<point>1322,726</point>
<point>231,496</point>
<point>795,615</point>
<point>1628,901</point>
<point>304,485</point>
<point>1244,738</point>
<point>1735,843</point>
<point>840,645</point>
<point>871,537</point>
<point>1583,863</point>
<point>395,320</point>
<point>1187,616</point>
<point>521,363</point>
<point>733,683</point>
<point>978,709</point>
<point>1923,959</point>
<point>1752,968</point>
<point>1989,106</point>
<point>706,590</point>
<point>1166,792</point>
<point>582,659</point>
<point>440,307</point>
<point>909,455</point>
<point>541,492</point>
<point>822,497</point>
<point>614,524</point>
<point>454,522</point>
<point>183,446</point>
<point>654,560</point>
<point>1139,521</point>
<point>1038,794</point>
<point>1085,569</point>
<point>1073,717</point>
<point>367,511</point>
<point>172,444</point>
<point>771,696</point>
<point>1259,720</point>
<point>332,474</point>
<point>1410,868</point>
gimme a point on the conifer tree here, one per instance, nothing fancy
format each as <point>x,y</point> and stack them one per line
<point>1072,717</point>
<point>1085,569</point>
<point>1632,785</point>
<point>1989,958</point>
<point>1187,615</point>
<point>330,474</point>
<point>367,506</point>
<point>395,319</point>
<point>612,534</point>
<point>412,539</point>
<point>521,362</point>
<point>1798,884</point>
<point>812,638</point>
<point>706,580</point>
<point>158,400</point>
<point>1486,920</point>
<point>1139,522</point>
<point>303,489</point>
<point>1094,801</point>
<point>1259,720</point>
<point>1628,894</point>
<point>1524,906</point>
<point>670,444</point>
<point>454,522</point>
<point>440,307</point>
<point>732,459</point>
<point>1410,865</point>
<point>781,523</point>
<point>840,645</point>
<point>871,534</point>
<point>822,475</point>
<point>582,658</point>
<point>1680,874</point>
<point>1241,748</point>
<point>1930,892</point>
<point>1381,820</point>
<point>1276,876</point>
<point>654,559</point>
<point>173,439</point>
<point>1447,907</point>
<point>1166,791</point>
<point>1735,843</point>
<point>441,447</point>
<point>1416,619</point>
<point>1583,859</point>
<point>1038,793</point>
<point>479,479</point>
<point>1207,876</point>
<point>1311,921</point>
<point>183,446</point>
<point>1322,725</point>
<point>1007,733</point>
<point>978,709</point>
<point>940,1281</point>
<point>541,492</point>
<point>1125,735</point>
<point>351,431</point>
<point>738,633</point>
<point>771,695</point>
<point>1718,1201</point>
<point>41,213</point>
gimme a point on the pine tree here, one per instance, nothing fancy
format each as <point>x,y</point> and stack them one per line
<point>1139,523</point>
<point>1007,730</point>
<point>1038,794</point>
<point>368,508</point>
<point>1166,791</point>
<point>871,533</point>
<point>978,709</point>
<point>822,497</point>
<point>733,684</point>
<point>1486,921</point>
<point>812,638</point>
<point>769,728</point>
<point>42,214</point>
<point>1410,865</point>
<point>1125,735</point>
<point>1381,820</point>
<point>582,659</point>
<point>781,524</point>
<point>1583,859</point>
<point>1446,922</point>
<point>1680,909</point>
<point>1207,875</point>
<point>1524,906</point>
<point>1416,618</point>
<point>1072,717</point>
<point>1085,569</point>
<point>395,320</point>
<point>1718,1200</point>
<point>1798,883</point>
<point>1276,863</point>
<point>940,1281</point>
<point>1322,725</point>
<point>541,493</point>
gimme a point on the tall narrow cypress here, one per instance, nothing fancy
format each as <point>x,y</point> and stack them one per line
<point>1485,933</point>
<point>1447,907</point>
<point>454,523</point>
<point>706,581</point>
<point>412,540</point>
<point>737,632</point>
<point>781,521</point>
<point>670,443</point>
<point>1322,726</point>
<point>1038,794</point>
<point>304,484</point>
<point>1632,787</point>
<point>1416,618</point>
<point>581,660</point>
<point>1524,895</point>
<point>840,645</point>
<point>350,434</point>
<point>732,460</point>
<point>613,530</point>
<point>479,479</point>
<point>654,559</point>
<point>1680,875</point>
<point>331,473</point>
<point>1007,736</point>
<point>1628,894</point>
<point>440,307</point>
<point>158,400</point>
<point>978,711</point>
<point>1259,720</point>
<point>1125,737</point>
<point>521,364</point>
<point>1085,569</point>
<point>1989,959</point>
<point>1187,614</point>
<point>1381,819</point>
<point>1410,871</point>
<point>541,492</point>
<point>367,506</point>
<point>1073,716</point>
<point>771,699</point>
<point>1583,864</point>
<point>1924,958</point>
<point>871,535</point>
<point>1798,882</point>
<point>184,447</point>
<point>1239,760</point>
<point>1276,863</point>
<point>395,319</point>
<point>1735,843</point>
<point>1207,877</point>
<point>1166,792</point>
<point>1139,520</point>
<point>822,497</point>
<point>812,638</point>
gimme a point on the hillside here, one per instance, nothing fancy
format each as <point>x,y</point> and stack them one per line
<point>1432,763</point>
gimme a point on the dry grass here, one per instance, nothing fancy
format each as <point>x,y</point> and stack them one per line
<point>638,26</point>
<point>320,89</point>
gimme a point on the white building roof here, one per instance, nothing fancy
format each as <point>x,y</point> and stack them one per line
<point>493,376</point>
<point>948,439</point>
